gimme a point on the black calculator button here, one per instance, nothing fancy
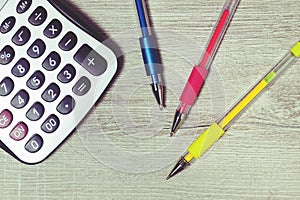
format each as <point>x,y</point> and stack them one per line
<point>51,124</point>
<point>5,119</point>
<point>20,100</point>
<point>35,112</point>
<point>91,60</point>
<point>38,16</point>
<point>67,74</point>
<point>34,144</point>
<point>68,42</point>
<point>23,6</point>
<point>66,105</point>
<point>19,131</point>
<point>52,61</point>
<point>21,68</point>
<point>51,93</point>
<point>37,49</point>
<point>36,80</point>
<point>53,29</point>
<point>82,86</point>
<point>7,54</point>
<point>7,24</point>
<point>22,36</point>
<point>6,86</point>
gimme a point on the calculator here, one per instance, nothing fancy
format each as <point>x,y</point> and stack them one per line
<point>53,70</point>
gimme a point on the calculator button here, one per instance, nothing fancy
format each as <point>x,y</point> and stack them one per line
<point>82,86</point>
<point>68,42</point>
<point>37,49</point>
<point>52,61</point>
<point>19,131</point>
<point>7,54</point>
<point>34,144</point>
<point>67,74</point>
<point>20,100</point>
<point>5,119</point>
<point>51,124</point>
<point>35,112</point>
<point>51,93</point>
<point>22,36</point>
<point>53,29</point>
<point>6,86</point>
<point>21,68</point>
<point>38,16</point>
<point>36,80</point>
<point>23,6</point>
<point>91,60</point>
<point>66,105</point>
<point>7,24</point>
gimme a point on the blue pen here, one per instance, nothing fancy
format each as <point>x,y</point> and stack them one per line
<point>151,56</point>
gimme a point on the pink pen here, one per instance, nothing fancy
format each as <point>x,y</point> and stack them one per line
<point>200,71</point>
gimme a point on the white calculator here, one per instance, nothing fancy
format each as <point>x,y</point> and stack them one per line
<point>53,70</point>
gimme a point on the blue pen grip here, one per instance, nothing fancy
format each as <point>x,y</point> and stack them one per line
<point>151,56</point>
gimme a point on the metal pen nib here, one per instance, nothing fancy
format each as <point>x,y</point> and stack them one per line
<point>180,166</point>
<point>158,91</point>
<point>179,118</point>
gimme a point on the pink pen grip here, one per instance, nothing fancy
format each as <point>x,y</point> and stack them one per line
<point>193,85</point>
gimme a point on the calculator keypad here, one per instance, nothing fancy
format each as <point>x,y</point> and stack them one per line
<point>50,68</point>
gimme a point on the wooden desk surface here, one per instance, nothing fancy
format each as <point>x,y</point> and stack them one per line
<point>122,149</point>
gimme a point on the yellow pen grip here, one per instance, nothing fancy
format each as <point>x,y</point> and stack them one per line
<point>205,140</point>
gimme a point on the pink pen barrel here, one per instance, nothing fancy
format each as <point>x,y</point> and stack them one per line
<point>199,72</point>
<point>216,37</point>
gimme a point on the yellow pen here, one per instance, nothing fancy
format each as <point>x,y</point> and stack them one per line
<point>218,128</point>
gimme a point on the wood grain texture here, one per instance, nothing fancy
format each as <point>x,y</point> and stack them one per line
<point>113,152</point>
